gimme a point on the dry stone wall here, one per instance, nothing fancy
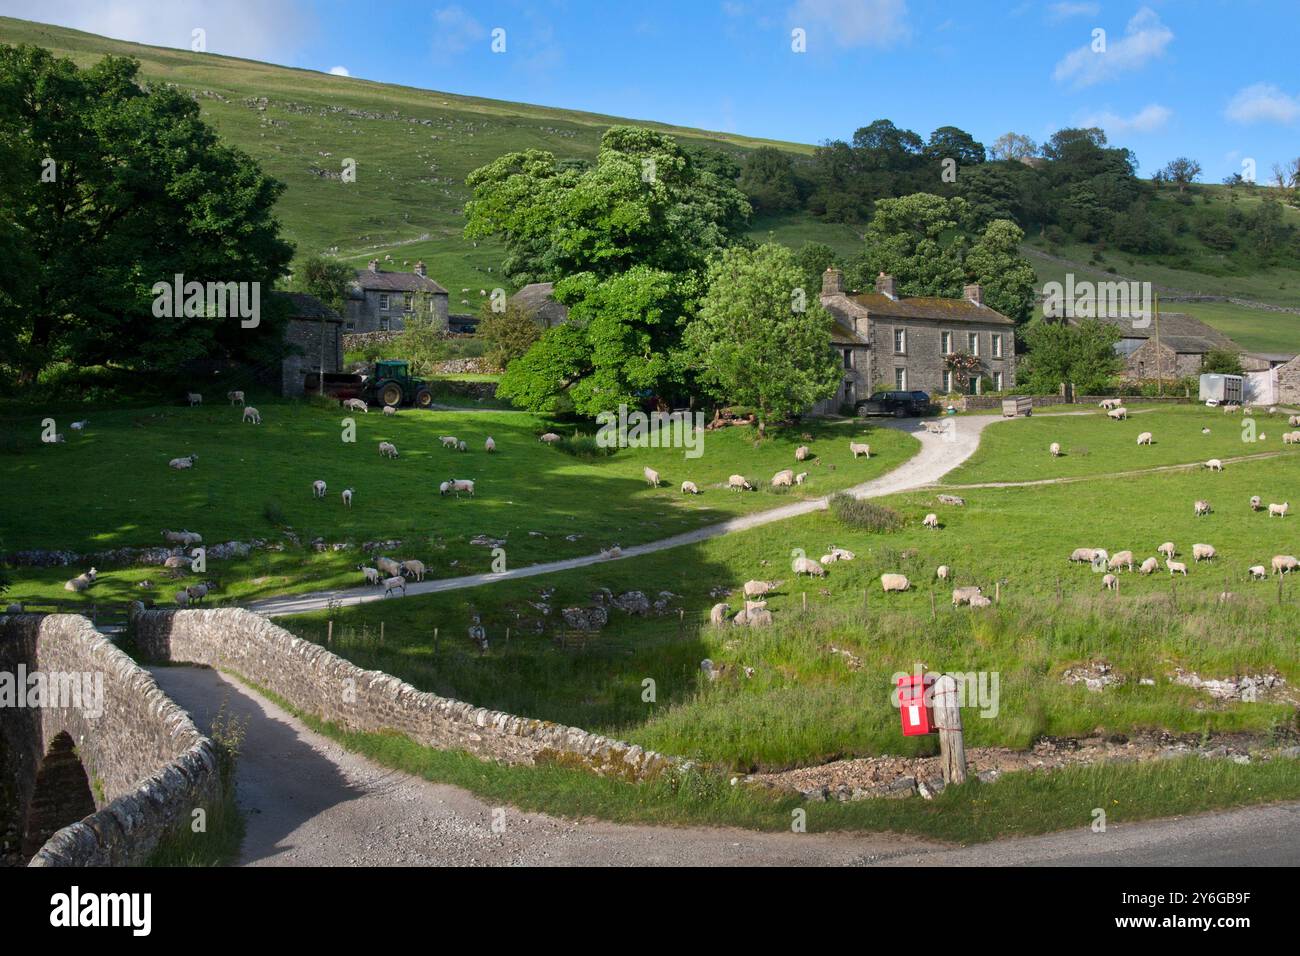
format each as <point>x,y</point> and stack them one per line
<point>315,681</point>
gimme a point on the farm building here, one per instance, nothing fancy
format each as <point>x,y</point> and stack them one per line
<point>313,336</point>
<point>1184,343</point>
<point>892,342</point>
<point>1288,382</point>
<point>537,300</point>
<point>380,301</point>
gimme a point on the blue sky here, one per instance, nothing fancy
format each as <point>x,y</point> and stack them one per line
<point>1216,80</point>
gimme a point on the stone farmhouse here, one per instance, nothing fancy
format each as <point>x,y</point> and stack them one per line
<point>381,301</point>
<point>313,339</point>
<point>1184,343</point>
<point>890,342</point>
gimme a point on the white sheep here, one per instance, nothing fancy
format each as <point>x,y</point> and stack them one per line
<point>1176,567</point>
<point>1203,552</point>
<point>718,614</point>
<point>396,583</point>
<point>1293,421</point>
<point>1256,502</point>
<point>980,600</point>
<point>356,405</point>
<point>1284,563</point>
<point>194,398</point>
<point>388,566</point>
<point>236,398</point>
<point>176,562</point>
<point>857,448</point>
<point>964,595</point>
<point>944,573</point>
<point>462,445</point>
<point>1118,414</point>
<point>783,479</point>
<point>1088,555</point>
<point>1149,566</point>
<point>828,558</point>
<point>347,497</point>
<point>448,441</point>
<point>489,446</point>
<point>1055,449</point>
<point>251,414</point>
<point>1110,582</point>
<point>550,438</point>
<point>756,589</point>
<point>388,448</point>
<point>81,582</point>
<point>841,554</point>
<point>738,483</point>
<point>809,567</point>
<point>318,489</point>
<point>802,453</point>
<point>1109,403</point>
<point>456,486</point>
<point>390,410</point>
<point>1201,507</point>
<point>1121,559</point>
<point>414,568</point>
<point>1279,510</point>
<point>79,426</point>
<point>1214,464</point>
<point>894,582</point>
<point>690,488</point>
<point>800,478</point>
<point>651,476</point>
<point>755,614</point>
<point>183,537</point>
<point>1258,572</point>
<point>1291,438</point>
<point>180,464</point>
<point>931,521</point>
<point>1168,550</point>
<point>371,574</point>
<point>1144,438</point>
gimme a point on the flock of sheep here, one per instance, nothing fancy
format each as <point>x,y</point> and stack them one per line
<point>784,478</point>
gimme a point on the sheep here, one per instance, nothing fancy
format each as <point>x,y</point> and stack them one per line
<point>462,445</point>
<point>964,595</point>
<point>389,410</point>
<point>1055,449</point>
<point>802,453</point>
<point>251,414</point>
<point>944,573</point>
<point>1257,572</point>
<point>388,566</point>
<point>371,574</point>
<point>1121,559</point>
<point>1284,563</point>
<point>396,583</point>
<point>415,568</point>
<point>1201,507</point>
<point>176,562</point>
<point>755,589</point>
<point>489,446</point>
<point>857,448</point>
<point>783,479</point>
<point>718,614</point>
<point>180,464</point>
<point>739,483</point>
<point>828,558</point>
<point>980,600</point>
<point>1214,464</point>
<point>690,488</point>
<point>456,486</point>
<point>181,598</point>
<point>1088,555</point>
<point>1149,566</point>
<point>800,478</point>
<point>1279,510</point>
<point>1291,438</point>
<point>388,448</point>
<point>931,521</point>
<point>79,426</point>
<point>755,614</point>
<point>444,488</point>
<point>1119,414</point>
<point>347,497</point>
<point>194,398</point>
<point>318,489</point>
<point>1205,431</point>
<point>183,537</point>
<point>1110,582</point>
<point>81,582</point>
<point>809,567</point>
<point>1168,550</point>
<point>1294,421</point>
<point>1256,502</point>
<point>549,438</point>
<point>236,398</point>
<point>197,592</point>
<point>1109,403</point>
<point>58,439</point>
<point>1203,552</point>
<point>1176,567</point>
<point>841,554</point>
<point>1144,438</point>
<point>356,405</point>
<point>894,582</point>
<point>448,441</point>
<point>651,476</point>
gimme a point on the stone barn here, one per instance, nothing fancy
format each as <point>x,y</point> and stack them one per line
<point>313,339</point>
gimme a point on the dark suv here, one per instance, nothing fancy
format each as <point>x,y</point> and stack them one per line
<point>898,404</point>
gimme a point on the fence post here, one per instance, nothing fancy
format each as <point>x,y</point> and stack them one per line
<point>329,632</point>
<point>947,717</point>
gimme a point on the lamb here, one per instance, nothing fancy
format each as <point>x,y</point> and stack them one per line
<point>931,521</point>
<point>414,568</point>
<point>236,398</point>
<point>81,582</point>
<point>356,405</point>
<point>388,448</point>
<point>1214,464</point>
<point>783,479</point>
<point>462,446</point>
<point>1055,449</point>
<point>390,410</point>
<point>1256,502</point>
<point>448,441</point>
<point>980,600</point>
<point>396,583</point>
<point>800,478</point>
<point>944,573</point>
<point>79,426</point>
<point>1119,414</point>
<point>251,414</point>
<point>318,489</point>
<point>1149,566</point>
<point>809,567</point>
<point>1176,567</point>
<point>549,438</point>
<point>180,464</point>
<point>690,488</point>
<point>802,453</point>
<point>1257,572</point>
<point>489,446</point>
<point>828,558</point>
<point>894,582</point>
<point>388,566</point>
<point>1279,510</point>
<point>1121,559</point>
<point>1284,563</point>
<point>371,574</point>
<point>1110,582</point>
<point>841,554</point>
<point>1168,550</point>
<point>856,449</point>
<point>1203,552</point>
<point>347,497</point>
<point>183,537</point>
<point>651,476</point>
<point>718,614</point>
<point>1144,438</point>
<point>1202,508</point>
<point>964,595</point>
<point>755,589</point>
<point>194,398</point>
<point>739,483</point>
<point>457,485</point>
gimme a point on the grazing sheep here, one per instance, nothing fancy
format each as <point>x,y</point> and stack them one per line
<point>783,479</point>
<point>176,562</point>
<point>388,448</point>
<point>251,414</point>
<point>1291,438</point>
<point>180,464</point>
<point>718,614</point>
<point>448,441</point>
<point>1119,414</point>
<point>372,574</point>
<point>397,583</point>
<point>841,554</point>
<point>1149,566</point>
<point>1279,510</point>
<point>550,438</point>
<point>931,521</point>
<point>1055,449</point>
<point>414,568</point>
<point>801,453</point>
<point>1110,582</point>
<point>1293,421</point>
<point>1109,403</point>
<point>81,582</point>
<point>651,476</point>
<point>755,614</point>
<point>964,595</point>
<point>857,448</point>
<point>944,573</point>
<point>1144,438</point>
<point>1121,559</point>
<point>1258,572</point>
<point>1256,502</point>
<point>690,488</point>
<point>739,483</point>
<point>347,497</point>
<point>462,446</point>
<point>457,485</point>
<point>980,600</point>
<point>356,405</point>
<point>809,567</point>
<point>181,598</point>
<point>197,592</point>
<point>894,582</point>
<point>194,398</point>
<point>183,537</point>
<point>236,398</point>
<point>1284,563</point>
<point>1088,555</point>
<point>1201,507</point>
<point>79,426</point>
<point>489,446</point>
<point>1176,567</point>
<point>1168,550</point>
<point>1203,552</point>
<point>318,489</point>
<point>388,566</point>
<point>756,589</point>
<point>800,478</point>
<point>1214,464</point>
<point>828,558</point>
<point>1205,431</point>
<point>390,410</point>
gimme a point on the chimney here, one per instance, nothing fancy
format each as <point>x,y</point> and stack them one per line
<point>419,268</point>
<point>832,281</point>
<point>374,265</point>
<point>885,285</point>
<point>974,293</point>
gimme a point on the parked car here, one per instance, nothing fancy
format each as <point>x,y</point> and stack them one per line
<point>898,404</point>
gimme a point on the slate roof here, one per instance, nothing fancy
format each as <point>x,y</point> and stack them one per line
<point>384,281</point>
<point>537,299</point>
<point>882,306</point>
<point>1178,330</point>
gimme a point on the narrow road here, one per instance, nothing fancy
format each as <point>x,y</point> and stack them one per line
<point>309,802</point>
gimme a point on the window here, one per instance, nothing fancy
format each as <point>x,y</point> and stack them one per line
<point>900,341</point>
<point>848,358</point>
<point>973,343</point>
<point>384,323</point>
<point>947,343</point>
<point>900,379</point>
<point>997,346</point>
<point>383,301</point>
<point>947,382</point>
<point>408,301</point>
<point>997,381</point>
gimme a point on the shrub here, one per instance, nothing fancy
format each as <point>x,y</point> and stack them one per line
<point>863,514</point>
<point>274,514</point>
<point>584,446</point>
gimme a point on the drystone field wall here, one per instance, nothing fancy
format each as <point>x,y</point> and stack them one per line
<point>315,681</point>
<point>145,762</point>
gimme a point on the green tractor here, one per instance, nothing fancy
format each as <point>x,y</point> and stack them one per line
<point>391,384</point>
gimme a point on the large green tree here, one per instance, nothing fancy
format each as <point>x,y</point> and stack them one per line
<point>757,340</point>
<point>1059,352</point>
<point>919,240</point>
<point>327,279</point>
<point>1007,278</point>
<point>111,187</point>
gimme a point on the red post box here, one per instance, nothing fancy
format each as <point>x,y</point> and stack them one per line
<point>915,706</point>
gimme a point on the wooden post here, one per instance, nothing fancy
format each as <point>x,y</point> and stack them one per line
<point>381,632</point>
<point>947,717</point>
<point>329,632</point>
<point>435,640</point>
<point>805,602</point>
<point>997,592</point>
<point>933,613</point>
<point>507,635</point>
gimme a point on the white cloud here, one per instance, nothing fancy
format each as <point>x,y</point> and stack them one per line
<point>455,30</point>
<point>1263,103</point>
<point>339,71</point>
<point>853,23</point>
<point>1145,38</point>
<point>256,29</point>
<point>1150,118</point>
<point>1063,11</point>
